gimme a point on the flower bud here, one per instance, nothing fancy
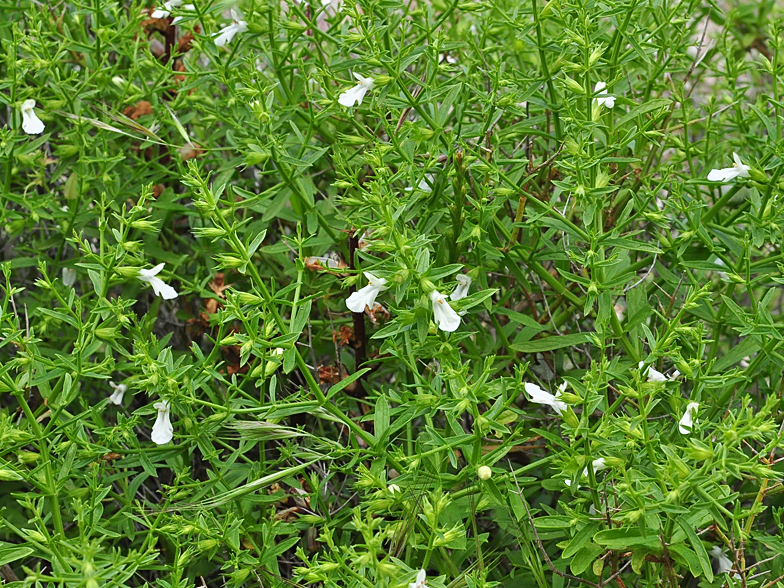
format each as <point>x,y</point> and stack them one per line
<point>570,418</point>
<point>426,285</point>
<point>27,457</point>
<point>758,175</point>
<point>484,472</point>
<point>573,85</point>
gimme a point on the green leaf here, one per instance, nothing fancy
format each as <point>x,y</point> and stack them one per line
<point>625,538</point>
<point>10,552</point>
<point>699,548</point>
<point>97,279</point>
<point>643,109</point>
<point>581,538</point>
<point>346,381</point>
<point>687,557</point>
<point>585,557</point>
<point>551,343</point>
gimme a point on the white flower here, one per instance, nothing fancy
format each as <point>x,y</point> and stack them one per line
<point>422,185</point>
<point>158,286</point>
<point>729,173</point>
<point>162,430</point>
<point>448,58</point>
<point>69,276</point>
<point>484,472</point>
<point>355,94</point>
<point>723,563</point>
<point>168,6</point>
<point>602,97</point>
<point>227,33</point>
<point>393,489</point>
<point>675,375</point>
<point>446,317</point>
<point>687,421</point>
<point>463,284</point>
<point>117,395</point>
<point>367,295</point>
<point>31,124</point>
<point>598,465</point>
<point>651,374</point>
<point>543,397</point>
<point>421,579</point>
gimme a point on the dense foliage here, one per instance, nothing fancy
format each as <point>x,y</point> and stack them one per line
<point>569,366</point>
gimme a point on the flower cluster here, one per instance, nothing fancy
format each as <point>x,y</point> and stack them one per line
<point>444,315</point>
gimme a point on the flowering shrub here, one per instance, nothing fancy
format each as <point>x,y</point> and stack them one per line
<point>391,293</point>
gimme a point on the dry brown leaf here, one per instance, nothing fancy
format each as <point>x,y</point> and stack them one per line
<point>185,42</point>
<point>211,306</point>
<point>189,151</point>
<point>159,24</point>
<point>377,312</point>
<point>344,336</point>
<point>332,261</point>
<point>134,112</point>
<point>218,285</point>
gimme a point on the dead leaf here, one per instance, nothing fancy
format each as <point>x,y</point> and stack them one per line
<point>189,151</point>
<point>159,24</point>
<point>330,375</point>
<point>186,41</point>
<point>332,261</point>
<point>378,311</point>
<point>157,190</point>
<point>134,112</point>
<point>179,66</point>
<point>344,336</point>
<point>211,306</point>
<point>218,285</point>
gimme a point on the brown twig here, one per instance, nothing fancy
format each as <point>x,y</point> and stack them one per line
<point>360,349</point>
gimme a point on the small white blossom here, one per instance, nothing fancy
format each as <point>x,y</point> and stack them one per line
<point>117,395</point>
<point>159,287</point>
<point>738,170</point>
<point>31,124</point>
<point>651,374</point>
<point>598,465</point>
<point>423,184</point>
<point>162,430</point>
<point>421,580</point>
<point>602,97</point>
<point>543,397</point>
<point>227,33</point>
<point>686,424</point>
<point>367,295</point>
<point>463,284</point>
<point>484,472</point>
<point>393,489</point>
<point>723,563</point>
<point>445,316</point>
<point>355,94</point>
<point>167,9</point>
<point>69,276</point>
